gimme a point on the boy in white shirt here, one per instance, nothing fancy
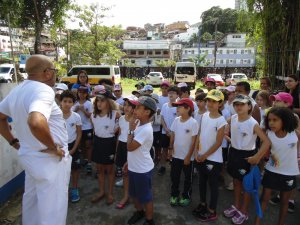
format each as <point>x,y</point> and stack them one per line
<point>73,123</point>
<point>184,131</point>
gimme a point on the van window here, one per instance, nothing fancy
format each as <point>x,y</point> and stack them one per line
<point>4,69</point>
<point>90,71</point>
<point>239,76</point>
<point>185,70</point>
<point>117,70</point>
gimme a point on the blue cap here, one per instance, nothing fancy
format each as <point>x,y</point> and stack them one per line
<point>251,183</point>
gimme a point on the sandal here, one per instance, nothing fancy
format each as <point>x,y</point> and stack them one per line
<point>122,205</point>
<point>97,198</point>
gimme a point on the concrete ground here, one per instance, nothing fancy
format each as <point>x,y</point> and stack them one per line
<point>86,213</point>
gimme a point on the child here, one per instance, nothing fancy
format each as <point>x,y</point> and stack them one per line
<point>263,102</point>
<point>156,125</point>
<point>118,94</point>
<point>168,115</point>
<point>73,122</point>
<point>121,156</point>
<point>201,103</point>
<point>184,131</point>
<point>85,108</point>
<point>282,167</point>
<point>244,130</point>
<point>105,121</point>
<point>208,154</point>
<point>230,90</point>
<point>140,163</point>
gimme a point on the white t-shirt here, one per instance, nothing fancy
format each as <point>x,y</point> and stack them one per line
<point>86,122</point>
<point>208,135</point>
<point>162,100</point>
<point>120,101</point>
<point>242,133</point>
<point>184,132</point>
<point>230,108</point>
<point>283,158</point>
<point>226,114</point>
<point>124,127</point>
<point>72,122</point>
<point>169,114</point>
<point>33,96</point>
<point>105,127</point>
<point>198,117</point>
<point>139,160</point>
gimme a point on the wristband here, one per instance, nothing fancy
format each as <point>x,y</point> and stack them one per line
<point>14,141</point>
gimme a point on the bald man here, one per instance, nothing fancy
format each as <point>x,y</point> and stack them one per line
<point>42,143</point>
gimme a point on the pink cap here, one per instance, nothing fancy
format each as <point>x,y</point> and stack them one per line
<point>97,89</point>
<point>165,83</point>
<point>210,80</point>
<point>117,87</point>
<point>283,97</point>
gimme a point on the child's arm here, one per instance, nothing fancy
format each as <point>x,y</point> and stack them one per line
<point>187,159</point>
<point>171,145</point>
<point>196,149</point>
<point>256,114</point>
<point>163,123</point>
<point>131,143</point>
<point>217,144</point>
<point>265,146</point>
<point>78,139</point>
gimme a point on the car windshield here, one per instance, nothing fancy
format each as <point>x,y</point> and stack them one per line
<point>90,71</point>
<point>154,74</point>
<point>185,70</point>
<point>215,76</point>
<point>4,69</point>
<point>239,76</point>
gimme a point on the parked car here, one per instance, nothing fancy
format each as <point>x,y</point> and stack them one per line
<point>235,78</point>
<point>6,72</point>
<point>186,72</point>
<point>154,78</point>
<point>217,77</point>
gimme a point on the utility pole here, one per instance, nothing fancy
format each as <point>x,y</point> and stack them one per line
<point>216,45</point>
<point>11,47</point>
<point>199,43</point>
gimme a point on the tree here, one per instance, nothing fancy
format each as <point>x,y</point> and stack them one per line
<point>95,43</point>
<point>34,14</point>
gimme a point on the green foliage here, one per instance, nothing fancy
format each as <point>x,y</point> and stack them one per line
<point>199,60</point>
<point>165,63</point>
<point>62,68</point>
<point>95,43</point>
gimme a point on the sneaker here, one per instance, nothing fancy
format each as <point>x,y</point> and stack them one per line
<point>239,218</point>
<point>230,212</point>
<point>291,208</point>
<point>173,201</point>
<point>275,200</point>
<point>138,215</point>
<point>184,201</point>
<point>88,168</point>
<point>207,216</point>
<point>199,209</point>
<point>149,222</point>
<point>162,171</point>
<point>119,183</point>
<point>75,195</point>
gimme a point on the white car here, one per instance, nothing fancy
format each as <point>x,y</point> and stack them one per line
<point>235,78</point>
<point>154,78</point>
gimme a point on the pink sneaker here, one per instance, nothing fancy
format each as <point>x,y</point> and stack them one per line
<point>230,212</point>
<point>239,218</point>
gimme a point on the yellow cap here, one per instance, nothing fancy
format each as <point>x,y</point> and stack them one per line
<point>215,95</point>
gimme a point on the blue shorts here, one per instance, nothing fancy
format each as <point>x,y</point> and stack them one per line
<point>140,186</point>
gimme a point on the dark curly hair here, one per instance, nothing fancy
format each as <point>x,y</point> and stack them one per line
<point>68,94</point>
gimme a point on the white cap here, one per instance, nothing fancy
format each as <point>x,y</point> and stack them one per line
<point>230,88</point>
<point>61,86</point>
<point>180,85</point>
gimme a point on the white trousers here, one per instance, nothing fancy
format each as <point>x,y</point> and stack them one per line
<point>45,201</point>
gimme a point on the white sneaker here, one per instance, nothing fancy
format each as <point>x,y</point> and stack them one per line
<point>119,183</point>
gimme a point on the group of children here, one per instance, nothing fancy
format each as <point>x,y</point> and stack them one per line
<point>218,133</point>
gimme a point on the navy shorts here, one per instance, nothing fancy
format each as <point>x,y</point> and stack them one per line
<point>278,182</point>
<point>87,135</point>
<point>156,139</point>
<point>140,186</point>
<point>75,157</point>
<point>165,141</point>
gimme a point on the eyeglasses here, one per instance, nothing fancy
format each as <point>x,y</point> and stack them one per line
<point>53,69</point>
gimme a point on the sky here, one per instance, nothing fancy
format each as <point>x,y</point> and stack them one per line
<point>139,12</point>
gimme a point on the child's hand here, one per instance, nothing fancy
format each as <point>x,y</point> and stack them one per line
<point>133,124</point>
<point>201,158</point>
<point>253,160</point>
<point>81,107</point>
<point>71,152</point>
<point>187,161</point>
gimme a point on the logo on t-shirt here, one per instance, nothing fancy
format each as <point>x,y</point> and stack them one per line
<point>292,145</point>
<point>72,124</point>
<point>106,127</point>
<point>244,134</point>
<point>187,131</point>
<point>175,114</point>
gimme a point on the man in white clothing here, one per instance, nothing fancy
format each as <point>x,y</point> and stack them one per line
<point>42,143</point>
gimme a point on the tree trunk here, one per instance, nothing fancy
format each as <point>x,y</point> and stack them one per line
<point>37,43</point>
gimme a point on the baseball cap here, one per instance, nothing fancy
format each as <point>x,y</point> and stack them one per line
<point>131,99</point>
<point>230,88</point>
<point>105,94</point>
<point>180,85</point>
<point>155,97</point>
<point>165,83</point>
<point>184,101</point>
<point>146,101</point>
<point>215,95</point>
<point>141,84</point>
<point>148,87</point>
<point>242,99</point>
<point>83,89</point>
<point>98,88</point>
<point>61,86</point>
<point>136,92</point>
<point>117,87</point>
<point>210,80</point>
<point>282,96</point>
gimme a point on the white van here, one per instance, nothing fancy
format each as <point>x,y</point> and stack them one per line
<point>95,73</point>
<point>23,71</point>
<point>6,72</point>
<point>186,72</point>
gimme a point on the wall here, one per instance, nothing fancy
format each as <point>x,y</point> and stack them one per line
<point>11,175</point>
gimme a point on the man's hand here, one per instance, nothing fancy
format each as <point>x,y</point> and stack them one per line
<point>58,151</point>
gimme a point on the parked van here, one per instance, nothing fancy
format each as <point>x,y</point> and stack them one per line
<point>6,72</point>
<point>186,72</point>
<point>23,71</point>
<point>95,73</point>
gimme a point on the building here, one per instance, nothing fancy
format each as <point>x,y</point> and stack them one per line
<point>235,40</point>
<point>144,53</point>
<point>177,27</point>
<point>186,36</point>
